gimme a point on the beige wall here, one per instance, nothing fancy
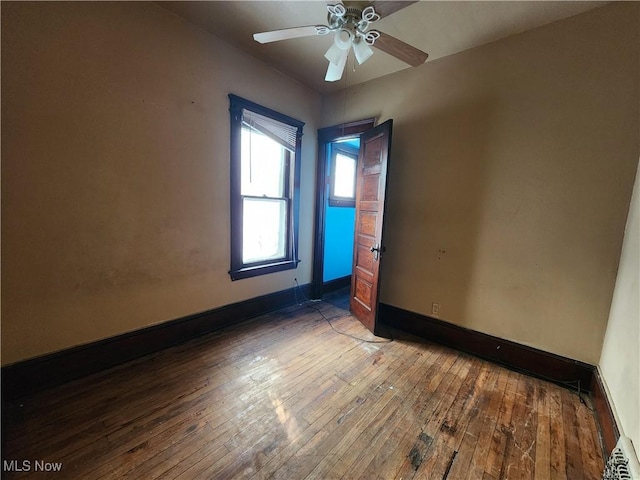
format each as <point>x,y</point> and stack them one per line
<point>620,359</point>
<point>511,174</point>
<point>511,171</point>
<point>115,171</point>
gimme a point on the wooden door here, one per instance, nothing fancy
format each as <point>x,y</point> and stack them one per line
<point>368,247</point>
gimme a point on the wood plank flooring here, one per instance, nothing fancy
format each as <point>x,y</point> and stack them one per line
<point>286,397</point>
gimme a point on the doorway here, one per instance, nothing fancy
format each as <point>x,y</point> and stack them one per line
<point>335,214</point>
<point>340,213</point>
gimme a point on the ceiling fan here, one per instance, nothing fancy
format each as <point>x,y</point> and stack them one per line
<point>350,25</point>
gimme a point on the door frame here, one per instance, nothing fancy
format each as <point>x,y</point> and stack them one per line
<point>326,136</point>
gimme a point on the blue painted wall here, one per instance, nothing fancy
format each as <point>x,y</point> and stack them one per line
<point>339,231</point>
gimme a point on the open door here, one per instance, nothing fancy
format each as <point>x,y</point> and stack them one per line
<point>368,247</point>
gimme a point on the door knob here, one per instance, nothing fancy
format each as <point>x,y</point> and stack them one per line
<point>376,251</point>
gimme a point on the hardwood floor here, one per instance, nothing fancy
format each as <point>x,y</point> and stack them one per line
<point>285,396</point>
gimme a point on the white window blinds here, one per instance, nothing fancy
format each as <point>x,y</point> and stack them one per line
<point>285,135</point>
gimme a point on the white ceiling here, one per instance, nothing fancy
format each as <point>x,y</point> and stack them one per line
<point>439,28</point>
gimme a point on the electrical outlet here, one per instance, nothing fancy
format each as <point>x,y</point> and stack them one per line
<point>435,309</point>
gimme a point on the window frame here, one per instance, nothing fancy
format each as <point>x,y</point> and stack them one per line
<point>347,151</point>
<point>239,269</point>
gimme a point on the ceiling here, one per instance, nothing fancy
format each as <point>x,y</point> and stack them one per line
<point>439,28</point>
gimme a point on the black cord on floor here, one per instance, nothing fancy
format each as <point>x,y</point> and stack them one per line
<point>344,333</point>
<point>576,384</point>
<point>310,305</point>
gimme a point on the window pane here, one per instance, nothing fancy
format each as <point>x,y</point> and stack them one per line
<point>264,229</point>
<point>263,165</point>
<point>345,177</point>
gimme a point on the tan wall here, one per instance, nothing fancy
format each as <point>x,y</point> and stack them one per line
<point>620,359</point>
<point>511,171</point>
<point>115,171</point>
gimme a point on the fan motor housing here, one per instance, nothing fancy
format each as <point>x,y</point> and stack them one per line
<point>352,16</point>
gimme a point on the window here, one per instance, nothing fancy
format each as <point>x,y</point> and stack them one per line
<point>342,190</point>
<point>265,178</point>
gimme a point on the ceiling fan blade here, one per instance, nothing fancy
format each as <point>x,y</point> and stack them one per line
<point>384,8</point>
<point>335,70</point>
<point>287,33</point>
<point>334,73</point>
<point>400,50</point>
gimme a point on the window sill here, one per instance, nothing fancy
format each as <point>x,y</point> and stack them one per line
<point>255,271</point>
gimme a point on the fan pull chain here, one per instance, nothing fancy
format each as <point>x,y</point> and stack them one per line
<point>344,106</point>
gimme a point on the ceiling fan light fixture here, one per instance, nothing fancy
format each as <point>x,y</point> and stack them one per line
<point>337,10</point>
<point>362,51</point>
<point>370,37</point>
<point>343,39</point>
<point>334,53</point>
<point>335,70</point>
<point>338,53</point>
<point>369,14</point>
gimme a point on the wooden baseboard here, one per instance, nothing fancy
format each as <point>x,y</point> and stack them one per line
<point>336,284</point>
<point>541,364</point>
<point>604,413</point>
<point>26,377</point>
